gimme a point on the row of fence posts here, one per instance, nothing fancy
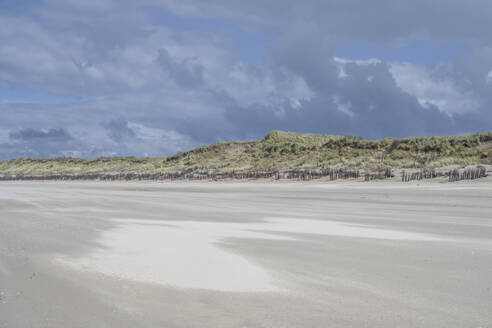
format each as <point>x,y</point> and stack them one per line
<point>453,175</point>
<point>302,174</point>
<point>421,174</point>
<point>311,174</point>
<point>467,174</point>
<point>382,174</point>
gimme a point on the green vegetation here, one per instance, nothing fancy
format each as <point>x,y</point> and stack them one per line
<point>282,150</point>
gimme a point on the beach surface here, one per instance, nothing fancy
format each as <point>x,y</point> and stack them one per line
<point>246,254</point>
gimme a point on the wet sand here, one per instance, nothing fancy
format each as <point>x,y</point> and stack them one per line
<point>350,254</point>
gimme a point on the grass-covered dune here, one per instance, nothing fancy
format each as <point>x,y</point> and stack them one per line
<point>281,151</point>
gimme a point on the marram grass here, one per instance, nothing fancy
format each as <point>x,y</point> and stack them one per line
<point>282,151</point>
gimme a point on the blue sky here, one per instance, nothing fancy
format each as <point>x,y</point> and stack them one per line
<point>151,78</point>
<point>26,96</point>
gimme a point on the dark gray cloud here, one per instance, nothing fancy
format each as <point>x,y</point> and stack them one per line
<point>31,142</point>
<point>185,72</point>
<point>378,21</point>
<point>367,102</point>
<point>50,135</point>
<point>119,131</point>
<point>139,85</point>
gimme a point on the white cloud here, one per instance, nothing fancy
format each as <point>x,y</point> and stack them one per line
<point>341,62</point>
<point>443,93</point>
<point>362,62</point>
<point>153,138</point>
<point>259,85</point>
<point>343,107</point>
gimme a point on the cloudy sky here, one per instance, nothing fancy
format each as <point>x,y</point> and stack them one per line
<point>90,78</point>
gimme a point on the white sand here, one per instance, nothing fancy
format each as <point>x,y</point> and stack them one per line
<point>186,254</point>
<point>172,256</point>
<point>135,254</point>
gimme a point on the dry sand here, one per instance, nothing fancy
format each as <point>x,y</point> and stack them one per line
<point>134,254</point>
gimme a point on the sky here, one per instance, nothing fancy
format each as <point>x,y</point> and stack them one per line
<point>93,78</point>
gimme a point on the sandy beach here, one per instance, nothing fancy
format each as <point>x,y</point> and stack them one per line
<point>246,254</point>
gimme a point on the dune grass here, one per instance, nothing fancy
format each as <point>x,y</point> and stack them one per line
<point>281,151</point>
